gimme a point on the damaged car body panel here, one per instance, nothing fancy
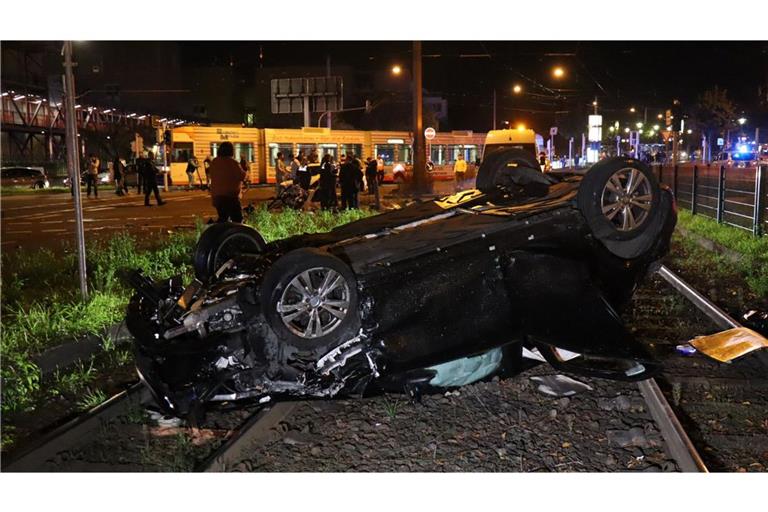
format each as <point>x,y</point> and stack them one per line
<point>525,260</point>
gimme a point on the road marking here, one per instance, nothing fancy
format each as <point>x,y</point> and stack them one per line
<point>52,222</point>
<point>19,232</point>
<point>53,231</point>
<point>100,208</point>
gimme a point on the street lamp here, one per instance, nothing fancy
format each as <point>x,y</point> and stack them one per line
<point>742,120</point>
<point>632,109</point>
<point>639,125</point>
<point>558,72</point>
<point>660,116</point>
<point>517,89</point>
<point>396,70</point>
<point>656,127</point>
<point>520,126</point>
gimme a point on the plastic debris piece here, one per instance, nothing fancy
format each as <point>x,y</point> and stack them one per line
<point>685,349</point>
<point>560,385</point>
<point>728,345</point>
<point>565,355</point>
<point>466,370</point>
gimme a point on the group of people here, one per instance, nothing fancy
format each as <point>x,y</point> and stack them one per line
<point>348,173</point>
<point>146,177</point>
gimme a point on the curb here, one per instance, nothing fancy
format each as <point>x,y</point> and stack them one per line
<point>72,352</point>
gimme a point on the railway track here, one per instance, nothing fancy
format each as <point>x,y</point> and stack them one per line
<point>118,435</point>
<point>721,407</point>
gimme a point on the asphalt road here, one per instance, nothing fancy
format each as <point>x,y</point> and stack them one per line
<point>39,220</point>
<point>47,220</point>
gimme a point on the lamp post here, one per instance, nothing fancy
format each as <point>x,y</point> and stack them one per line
<point>73,162</point>
<point>419,146</point>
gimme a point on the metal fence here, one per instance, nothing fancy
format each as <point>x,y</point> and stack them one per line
<point>737,196</point>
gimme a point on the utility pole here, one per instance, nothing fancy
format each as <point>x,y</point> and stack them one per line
<point>73,162</point>
<point>328,74</point>
<point>494,110</point>
<point>419,146</point>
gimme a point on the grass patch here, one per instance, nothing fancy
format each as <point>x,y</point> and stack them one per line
<point>753,265</point>
<point>91,399</point>
<point>41,304</point>
<point>24,191</point>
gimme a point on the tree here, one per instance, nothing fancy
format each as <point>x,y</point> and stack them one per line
<point>715,112</point>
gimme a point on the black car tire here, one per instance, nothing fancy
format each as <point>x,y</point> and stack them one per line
<point>280,276</point>
<point>593,199</point>
<point>220,242</point>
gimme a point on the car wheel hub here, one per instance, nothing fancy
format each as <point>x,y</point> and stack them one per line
<point>626,199</point>
<point>314,303</point>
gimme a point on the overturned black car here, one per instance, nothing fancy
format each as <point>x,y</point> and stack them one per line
<point>527,261</point>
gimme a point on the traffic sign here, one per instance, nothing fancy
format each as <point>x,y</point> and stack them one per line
<point>720,141</point>
<point>553,131</point>
<point>429,133</point>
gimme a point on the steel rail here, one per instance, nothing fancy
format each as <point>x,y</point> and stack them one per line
<point>678,441</point>
<point>255,429</point>
<point>70,434</point>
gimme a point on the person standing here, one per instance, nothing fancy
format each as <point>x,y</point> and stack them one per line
<point>192,166</point>
<point>281,172</point>
<point>371,176</point>
<point>303,174</point>
<point>207,168</point>
<point>118,169</point>
<point>460,170</point>
<point>295,164</point>
<point>227,177</point>
<point>351,178</point>
<point>149,173</point>
<point>92,175</point>
<point>380,169</point>
<point>327,187</point>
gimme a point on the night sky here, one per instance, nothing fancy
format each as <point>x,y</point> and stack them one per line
<point>644,74</point>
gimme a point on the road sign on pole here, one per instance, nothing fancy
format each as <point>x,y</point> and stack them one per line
<point>429,133</point>
<point>553,131</point>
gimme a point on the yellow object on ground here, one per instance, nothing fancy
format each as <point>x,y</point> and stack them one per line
<point>728,345</point>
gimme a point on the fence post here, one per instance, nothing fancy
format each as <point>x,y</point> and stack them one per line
<point>761,199</point>
<point>674,179</point>
<point>694,179</point>
<point>720,193</point>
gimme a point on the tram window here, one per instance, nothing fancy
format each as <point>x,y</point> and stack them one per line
<point>214,149</point>
<point>405,153</point>
<point>357,149</point>
<point>307,149</point>
<point>244,149</point>
<point>386,152</point>
<point>436,154</point>
<point>286,148</point>
<point>182,152</point>
<point>328,149</point>
<point>469,151</point>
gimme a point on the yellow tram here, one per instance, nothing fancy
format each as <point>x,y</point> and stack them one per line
<point>259,147</point>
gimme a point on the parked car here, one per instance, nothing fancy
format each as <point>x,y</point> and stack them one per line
<point>405,298</point>
<point>32,177</point>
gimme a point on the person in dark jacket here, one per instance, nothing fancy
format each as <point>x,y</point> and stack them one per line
<point>351,179</point>
<point>118,171</point>
<point>371,177</point>
<point>148,173</point>
<point>327,187</point>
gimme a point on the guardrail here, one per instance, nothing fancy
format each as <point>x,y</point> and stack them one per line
<point>737,196</point>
